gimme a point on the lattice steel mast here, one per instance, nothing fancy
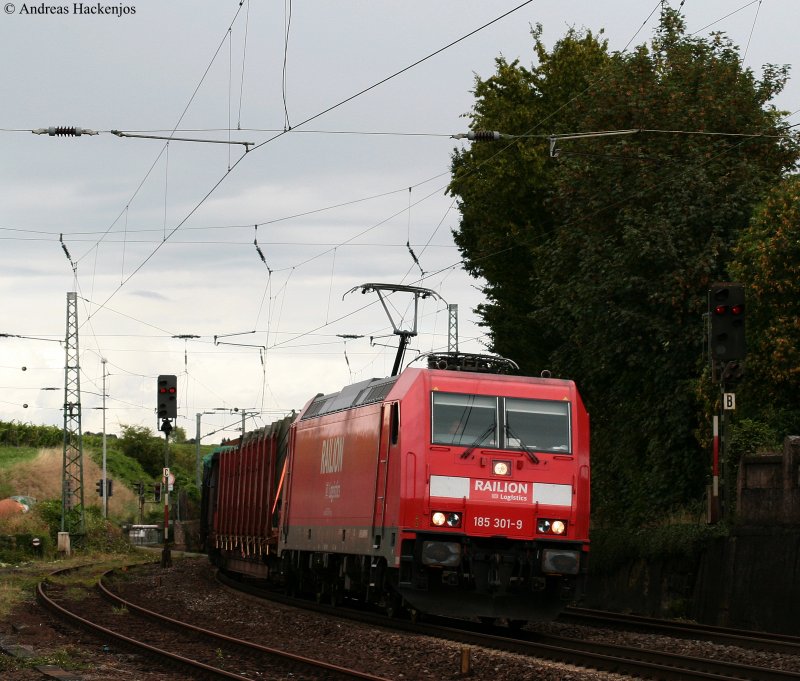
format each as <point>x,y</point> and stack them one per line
<point>452,327</point>
<point>72,472</point>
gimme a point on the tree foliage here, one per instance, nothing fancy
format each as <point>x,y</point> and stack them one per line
<point>597,261</point>
<point>18,434</point>
<point>140,444</point>
<point>504,195</point>
<point>766,259</point>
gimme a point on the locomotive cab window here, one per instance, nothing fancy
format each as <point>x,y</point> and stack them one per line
<point>539,425</point>
<point>464,420</point>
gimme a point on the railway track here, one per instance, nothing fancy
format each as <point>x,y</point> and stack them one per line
<point>629,660</point>
<point>197,651</point>
<point>775,643</point>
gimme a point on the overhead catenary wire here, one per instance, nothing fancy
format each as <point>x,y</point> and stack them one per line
<point>408,236</point>
<point>265,262</point>
<point>728,15</point>
<point>319,114</point>
<point>287,10</point>
<point>127,230</point>
<point>752,29</point>
<point>444,269</point>
<point>176,126</point>
<point>259,251</point>
<point>244,61</point>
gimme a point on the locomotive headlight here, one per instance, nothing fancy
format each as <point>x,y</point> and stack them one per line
<point>501,467</point>
<point>454,520</point>
<point>545,526</point>
<point>442,518</point>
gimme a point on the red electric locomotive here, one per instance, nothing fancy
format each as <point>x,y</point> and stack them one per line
<point>459,492</point>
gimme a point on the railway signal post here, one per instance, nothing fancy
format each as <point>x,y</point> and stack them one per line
<point>727,350</point>
<point>167,409</point>
<point>166,556</point>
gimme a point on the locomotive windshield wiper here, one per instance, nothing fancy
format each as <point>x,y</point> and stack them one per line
<point>480,439</point>
<point>523,446</point>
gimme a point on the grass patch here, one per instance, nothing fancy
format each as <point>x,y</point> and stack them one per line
<point>18,585</point>
<point>11,456</point>
<point>60,658</point>
<point>15,590</point>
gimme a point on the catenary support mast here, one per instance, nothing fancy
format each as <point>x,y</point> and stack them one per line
<point>72,470</point>
<point>452,327</point>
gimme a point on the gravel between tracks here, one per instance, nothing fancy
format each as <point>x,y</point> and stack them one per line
<point>187,591</point>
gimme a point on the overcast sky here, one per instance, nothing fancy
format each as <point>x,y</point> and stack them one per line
<point>162,236</point>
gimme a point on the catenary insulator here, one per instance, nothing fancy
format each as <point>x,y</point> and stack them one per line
<point>64,131</point>
<point>483,135</point>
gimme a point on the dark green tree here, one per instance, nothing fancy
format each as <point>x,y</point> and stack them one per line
<point>632,229</point>
<point>504,190</point>
<point>140,444</point>
<point>766,260</point>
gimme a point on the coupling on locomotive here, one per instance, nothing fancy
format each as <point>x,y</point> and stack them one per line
<point>451,489</point>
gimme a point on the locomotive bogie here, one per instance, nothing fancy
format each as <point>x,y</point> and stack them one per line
<point>487,578</point>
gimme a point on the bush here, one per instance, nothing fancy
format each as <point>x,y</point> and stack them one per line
<point>101,534</point>
<point>139,444</point>
<point>612,548</point>
<point>18,434</point>
<point>16,537</point>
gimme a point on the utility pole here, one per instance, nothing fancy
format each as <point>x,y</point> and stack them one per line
<point>105,477</point>
<point>198,467</point>
<point>72,460</point>
<point>245,414</point>
<point>197,457</point>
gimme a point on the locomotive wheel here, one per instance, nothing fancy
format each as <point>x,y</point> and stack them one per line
<point>393,606</point>
<point>290,585</point>
<point>335,595</point>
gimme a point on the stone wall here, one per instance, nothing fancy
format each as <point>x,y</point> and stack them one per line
<point>748,580</point>
<point>768,488</point>
<point>751,580</point>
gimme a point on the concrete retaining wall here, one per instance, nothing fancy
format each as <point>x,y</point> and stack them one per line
<point>768,487</point>
<point>749,580</point>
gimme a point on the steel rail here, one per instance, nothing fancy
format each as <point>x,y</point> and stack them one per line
<point>601,656</point>
<point>315,667</point>
<point>758,640</point>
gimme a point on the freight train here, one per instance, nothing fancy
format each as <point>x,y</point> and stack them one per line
<point>457,489</point>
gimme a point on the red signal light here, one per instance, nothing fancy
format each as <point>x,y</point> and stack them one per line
<point>167,396</point>
<point>726,308</point>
